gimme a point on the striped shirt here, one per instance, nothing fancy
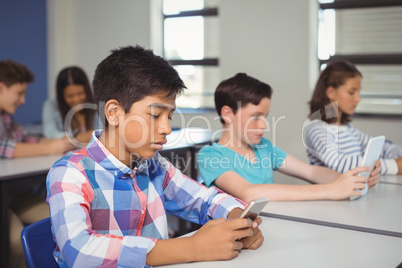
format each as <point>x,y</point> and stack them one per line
<point>104,213</point>
<point>341,148</point>
<point>10,134</point>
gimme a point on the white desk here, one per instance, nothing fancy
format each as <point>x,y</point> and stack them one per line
<point>379,211</point>
<point>28,166</point>
<point>296,244</point>
<point>391,179</point>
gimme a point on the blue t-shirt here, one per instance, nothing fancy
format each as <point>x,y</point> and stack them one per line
<point>214,160</point>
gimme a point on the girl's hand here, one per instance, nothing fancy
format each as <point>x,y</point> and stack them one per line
<point>375,175</point>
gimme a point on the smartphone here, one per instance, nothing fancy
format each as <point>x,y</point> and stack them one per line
<point>254,208</point>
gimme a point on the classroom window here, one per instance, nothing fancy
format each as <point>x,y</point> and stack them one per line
<point>369,34</point>
<point>191,45</point>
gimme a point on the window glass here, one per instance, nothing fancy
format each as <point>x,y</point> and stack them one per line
<point>184,38</point>
<point>369,30</point>
<point>373,36</point>
<point>201,82</point>
<point>188,38</point>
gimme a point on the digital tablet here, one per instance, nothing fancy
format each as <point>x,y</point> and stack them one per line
<point>371,155</point>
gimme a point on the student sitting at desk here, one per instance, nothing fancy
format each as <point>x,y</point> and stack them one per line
<point>105,212</point>
<point>14,142</point>
<point>73,90</point>
<point>331,139</point>
<point>242,162</point>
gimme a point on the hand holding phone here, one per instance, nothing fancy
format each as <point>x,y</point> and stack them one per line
<point>371,155</point>
<point>254,208</point>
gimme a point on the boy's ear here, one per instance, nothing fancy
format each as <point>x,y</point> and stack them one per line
<point>112,112</point>
<point>227,114</point>
<point>331,93</point>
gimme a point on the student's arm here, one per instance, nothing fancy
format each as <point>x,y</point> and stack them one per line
<point>216,240</point>
<point>44,147</point>
<point>313,174</point>
<point>201,203</point>
<point>341,188</point>
<point>319,174</point>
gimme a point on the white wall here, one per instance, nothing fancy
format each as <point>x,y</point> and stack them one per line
<point>273,40</point>
<point>82,32</point>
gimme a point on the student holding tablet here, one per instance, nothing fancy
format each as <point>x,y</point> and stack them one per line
<point>331,140</point>
<point>242,162</point>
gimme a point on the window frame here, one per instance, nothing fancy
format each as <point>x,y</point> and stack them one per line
<point>207,62</point>
<point>366,59</point>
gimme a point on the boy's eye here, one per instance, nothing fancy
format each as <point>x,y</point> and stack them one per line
<point>154,116</point>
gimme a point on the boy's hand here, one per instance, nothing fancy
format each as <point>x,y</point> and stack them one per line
<point>399,163</point>
<point>254,241</point>
<point>345,186</point>
<point>220,239</point>
<point>375,175</point>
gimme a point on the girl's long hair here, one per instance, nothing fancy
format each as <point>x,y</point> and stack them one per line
<point>74,76</point>
<point>335,74</point>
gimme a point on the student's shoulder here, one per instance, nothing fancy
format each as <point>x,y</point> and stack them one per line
<point>73,158</point>
<point>267,144</point>
<point>317,126</point>
<point>213,149</point>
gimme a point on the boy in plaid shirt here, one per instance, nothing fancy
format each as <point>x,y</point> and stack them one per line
<point>105,213</point>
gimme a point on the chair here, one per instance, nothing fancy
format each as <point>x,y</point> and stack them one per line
<point>38,244</point>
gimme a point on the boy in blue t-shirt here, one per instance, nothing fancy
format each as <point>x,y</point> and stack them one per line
<point>105,212</point>
<point>242,162</point>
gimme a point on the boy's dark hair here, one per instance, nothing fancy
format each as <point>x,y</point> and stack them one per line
<point>335,74</point>
<point>238,91</point>
<point>13,72</point>
<point>74,76</point>
<point>130,74</point>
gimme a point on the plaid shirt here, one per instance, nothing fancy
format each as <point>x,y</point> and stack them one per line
<point>105,214</point>
<point>10,134</point>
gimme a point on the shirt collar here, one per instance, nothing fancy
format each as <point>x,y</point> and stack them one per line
<point>108,161</point>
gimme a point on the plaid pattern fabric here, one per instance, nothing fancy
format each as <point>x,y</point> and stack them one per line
<point>10,134</point>
<point>105,214</point>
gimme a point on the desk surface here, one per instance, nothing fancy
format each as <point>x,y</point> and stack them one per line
<point>20,167</point>
<point>296,244</point>
<point>391,179</point>
<point>379,211</point>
